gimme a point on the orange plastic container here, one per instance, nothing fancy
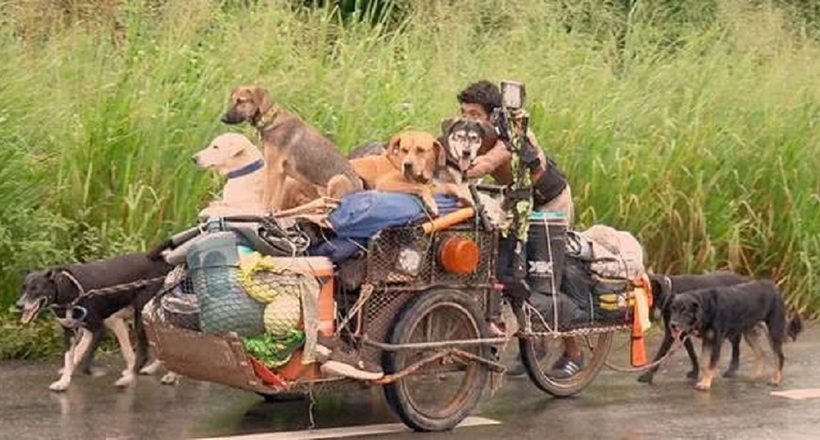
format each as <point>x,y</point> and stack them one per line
<point>459,255</point>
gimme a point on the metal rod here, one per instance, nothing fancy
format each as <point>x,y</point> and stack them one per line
<point>390,378</point>
<point>438,344</point>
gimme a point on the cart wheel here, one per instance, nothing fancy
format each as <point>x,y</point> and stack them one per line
<point>442,393</point>
<point>539,354</point>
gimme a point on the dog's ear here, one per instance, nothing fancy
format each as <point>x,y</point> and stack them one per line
<point>441,155</point>
<point>698,310</point>
<point>447,125</point>
<point>661,293</point>
<point>262,99</point>
<point>392,151</point>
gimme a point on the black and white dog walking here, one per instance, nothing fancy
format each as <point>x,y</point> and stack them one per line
<point>87,297</point>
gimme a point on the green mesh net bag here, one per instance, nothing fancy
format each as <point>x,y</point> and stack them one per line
<point>224,305</point>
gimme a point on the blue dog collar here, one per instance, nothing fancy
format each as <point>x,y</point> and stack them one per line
<point>247,169</point>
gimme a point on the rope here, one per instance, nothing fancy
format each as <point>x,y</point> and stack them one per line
<point>312,420</point>
<point>676,345</point>
<point>71,278</point>
<point>366,291</point>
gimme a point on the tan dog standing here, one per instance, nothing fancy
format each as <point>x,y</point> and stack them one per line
<point>409,165</point>
<point>235,156</point>
<point>291,148</point>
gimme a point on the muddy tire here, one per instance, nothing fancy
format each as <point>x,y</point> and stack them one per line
<point>596,350</point>
<point>442,393</point>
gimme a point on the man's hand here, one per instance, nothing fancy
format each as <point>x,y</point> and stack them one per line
<point>529,156</point>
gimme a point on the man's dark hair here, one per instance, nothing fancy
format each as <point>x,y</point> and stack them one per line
<point>483,93</point>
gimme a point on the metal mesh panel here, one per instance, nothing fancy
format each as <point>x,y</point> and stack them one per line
<point>385,252</point>
<point>380,313</point>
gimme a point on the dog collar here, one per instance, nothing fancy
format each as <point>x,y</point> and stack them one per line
<point>267,120</point>
<point>247,169</point>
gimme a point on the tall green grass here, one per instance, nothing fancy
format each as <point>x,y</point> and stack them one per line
<point>699,133</point>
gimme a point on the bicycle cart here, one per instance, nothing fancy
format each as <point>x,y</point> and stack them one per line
<point>422,319</point>
<point>420,309</point>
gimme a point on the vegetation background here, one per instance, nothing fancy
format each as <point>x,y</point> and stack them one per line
<point>694,124</point>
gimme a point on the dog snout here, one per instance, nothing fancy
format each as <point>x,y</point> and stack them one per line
<point>195,159</point>
<point>232,117</point>
<point>20,305</point>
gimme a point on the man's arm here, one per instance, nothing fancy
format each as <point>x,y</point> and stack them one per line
<point>488,162</point>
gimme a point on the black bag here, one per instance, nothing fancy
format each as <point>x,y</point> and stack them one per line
<point>577,283</point>
<point>611,303</point>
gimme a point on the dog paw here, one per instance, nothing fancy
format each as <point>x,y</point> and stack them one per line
<point>732,372</point>
<point>645,378</point>
<point>703,386</point>
<point>692,374</point>
<point>170,378</point>
<point>151,369</point>
<point>95,372</point>
<point>125,381</point>
<point>59,386</point>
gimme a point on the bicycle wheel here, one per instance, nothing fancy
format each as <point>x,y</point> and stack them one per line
<point>441,393</point>
<point>538,355</point>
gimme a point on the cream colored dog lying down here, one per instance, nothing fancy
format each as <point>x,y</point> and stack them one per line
<point>235,156</point>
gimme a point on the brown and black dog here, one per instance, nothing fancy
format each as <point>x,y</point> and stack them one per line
<point>291,147</point>
<point>718,313</point>
<point>409,165</point>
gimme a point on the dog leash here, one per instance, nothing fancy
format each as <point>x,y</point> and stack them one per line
<point>107,290</point>
<point>675,346</point>
<point>74,281</point>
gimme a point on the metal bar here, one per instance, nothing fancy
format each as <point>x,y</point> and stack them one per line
<point>390,378</point>
<point>438,344</point>
<point>495,366</point>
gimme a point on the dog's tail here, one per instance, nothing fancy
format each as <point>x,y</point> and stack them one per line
<point>794,327</point>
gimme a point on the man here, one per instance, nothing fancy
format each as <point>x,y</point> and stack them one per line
<point>551,192</point>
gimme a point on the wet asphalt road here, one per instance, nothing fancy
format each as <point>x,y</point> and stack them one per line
<point>615,406</point>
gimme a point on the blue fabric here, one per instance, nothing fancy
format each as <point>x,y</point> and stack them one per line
<point>362,215</point>
<point>338,249</point>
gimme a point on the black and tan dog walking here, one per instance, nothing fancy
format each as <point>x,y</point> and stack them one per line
<point>718,313</point>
